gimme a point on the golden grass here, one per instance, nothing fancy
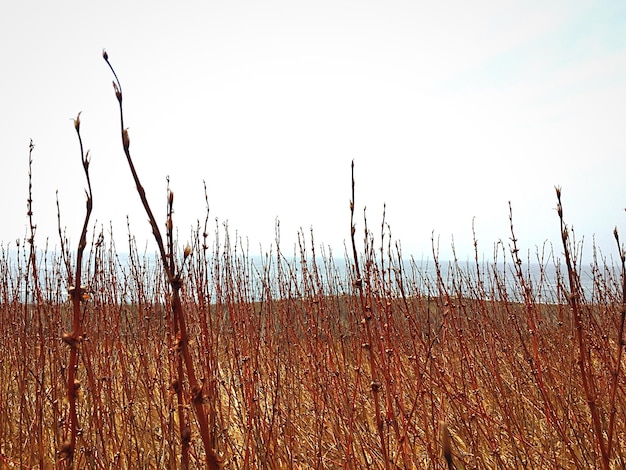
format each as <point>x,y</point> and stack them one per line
<point>291,382</point>
<point>213,359</point>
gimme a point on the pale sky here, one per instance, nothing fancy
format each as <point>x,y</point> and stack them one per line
<point>449,109</point>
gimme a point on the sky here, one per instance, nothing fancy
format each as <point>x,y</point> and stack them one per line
<point>448,109</point>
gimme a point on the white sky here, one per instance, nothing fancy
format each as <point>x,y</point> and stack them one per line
<point>449,110</point>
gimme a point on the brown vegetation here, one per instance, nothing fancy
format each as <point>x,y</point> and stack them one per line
<point>211,357</point>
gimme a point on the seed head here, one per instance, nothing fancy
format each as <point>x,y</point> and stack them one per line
<point>125,138</point>
<point>77,122</point>
<point>118,92</point>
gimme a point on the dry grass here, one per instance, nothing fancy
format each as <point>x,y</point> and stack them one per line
<point>306,360</point>
<point>293,373</point>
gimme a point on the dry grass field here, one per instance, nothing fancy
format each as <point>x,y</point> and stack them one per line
<point>206,357</point>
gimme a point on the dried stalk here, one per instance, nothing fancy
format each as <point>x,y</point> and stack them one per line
<point>73,339</point>
<point>174,281</point>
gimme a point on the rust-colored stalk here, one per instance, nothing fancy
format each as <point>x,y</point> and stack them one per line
<point>76,294</point>
<point>586,370</point>
<point>174,280</point>
<point>620,349</point>
<point>366,311</point>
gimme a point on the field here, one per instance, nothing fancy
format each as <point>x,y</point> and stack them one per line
<point>206,357</point>
<point>303,366</point>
